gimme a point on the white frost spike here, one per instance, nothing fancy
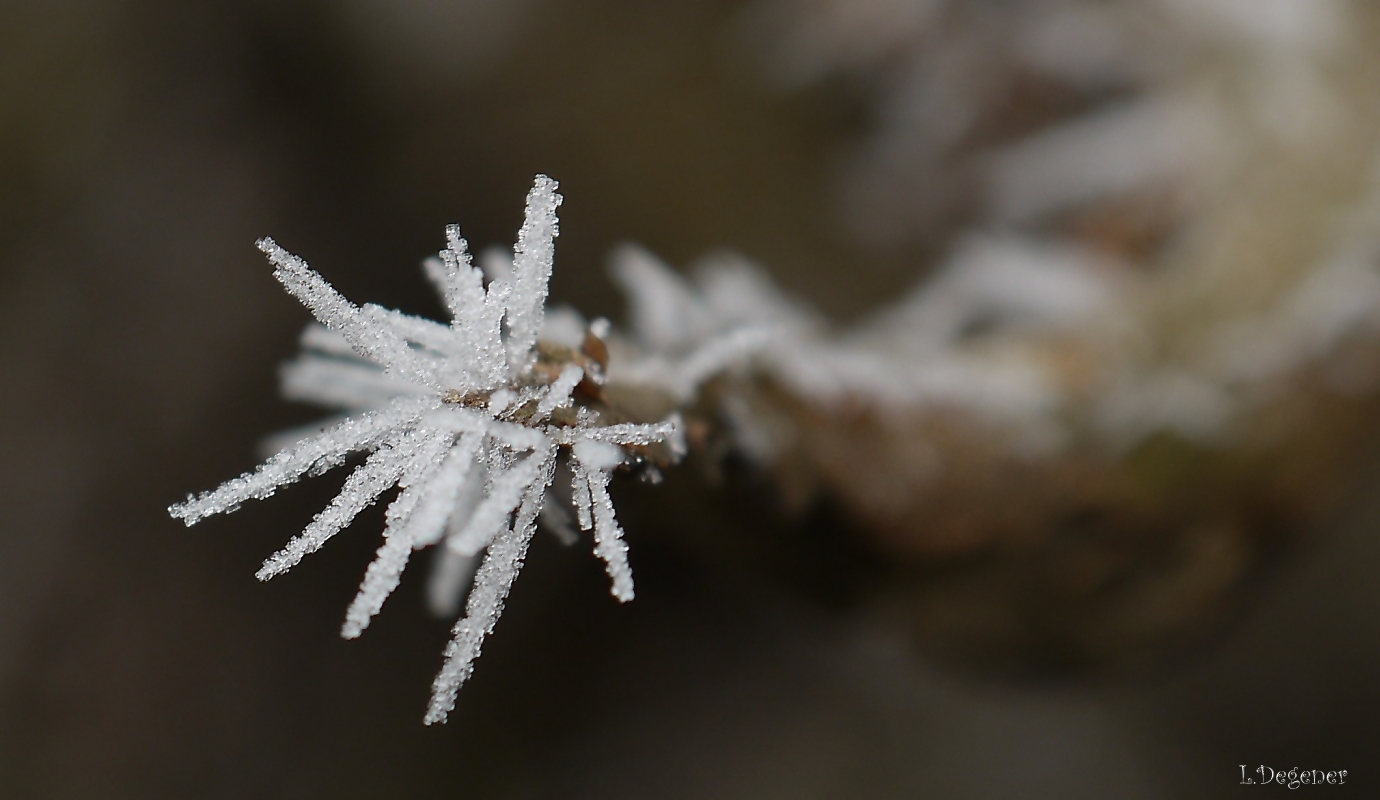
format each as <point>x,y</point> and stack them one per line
<point>608,537</point>
<point>559,395</point>
<point>462,285</point>
<point>328,448</point>
<point>404,525</point>
<point>453,415</point>
<point>362,488</point>
<point>485,604</point>
<point>384,573</point>
<point>594,460</point>
<point>532,260</point>
<point>491,585</point>
<point>376,342</point>
<point>621,434</point>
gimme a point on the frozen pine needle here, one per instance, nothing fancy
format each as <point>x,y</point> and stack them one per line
<point>468,419</point>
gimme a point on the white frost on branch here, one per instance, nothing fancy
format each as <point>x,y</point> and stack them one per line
<point>918,355</point>
<point>459,419</point>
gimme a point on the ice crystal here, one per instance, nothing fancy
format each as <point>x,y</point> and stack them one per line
<point>462,418</point>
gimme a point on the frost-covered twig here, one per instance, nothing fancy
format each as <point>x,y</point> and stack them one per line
<point>467,419</point>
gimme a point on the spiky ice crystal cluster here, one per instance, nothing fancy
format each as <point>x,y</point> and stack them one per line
<point>469,419</point>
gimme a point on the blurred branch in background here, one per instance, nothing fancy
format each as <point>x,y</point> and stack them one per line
<point>1091,381</point>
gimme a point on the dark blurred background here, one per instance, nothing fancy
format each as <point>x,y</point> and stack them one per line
<point>145,145</point>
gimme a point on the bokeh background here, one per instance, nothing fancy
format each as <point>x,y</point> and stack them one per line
<point>145,145</point>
